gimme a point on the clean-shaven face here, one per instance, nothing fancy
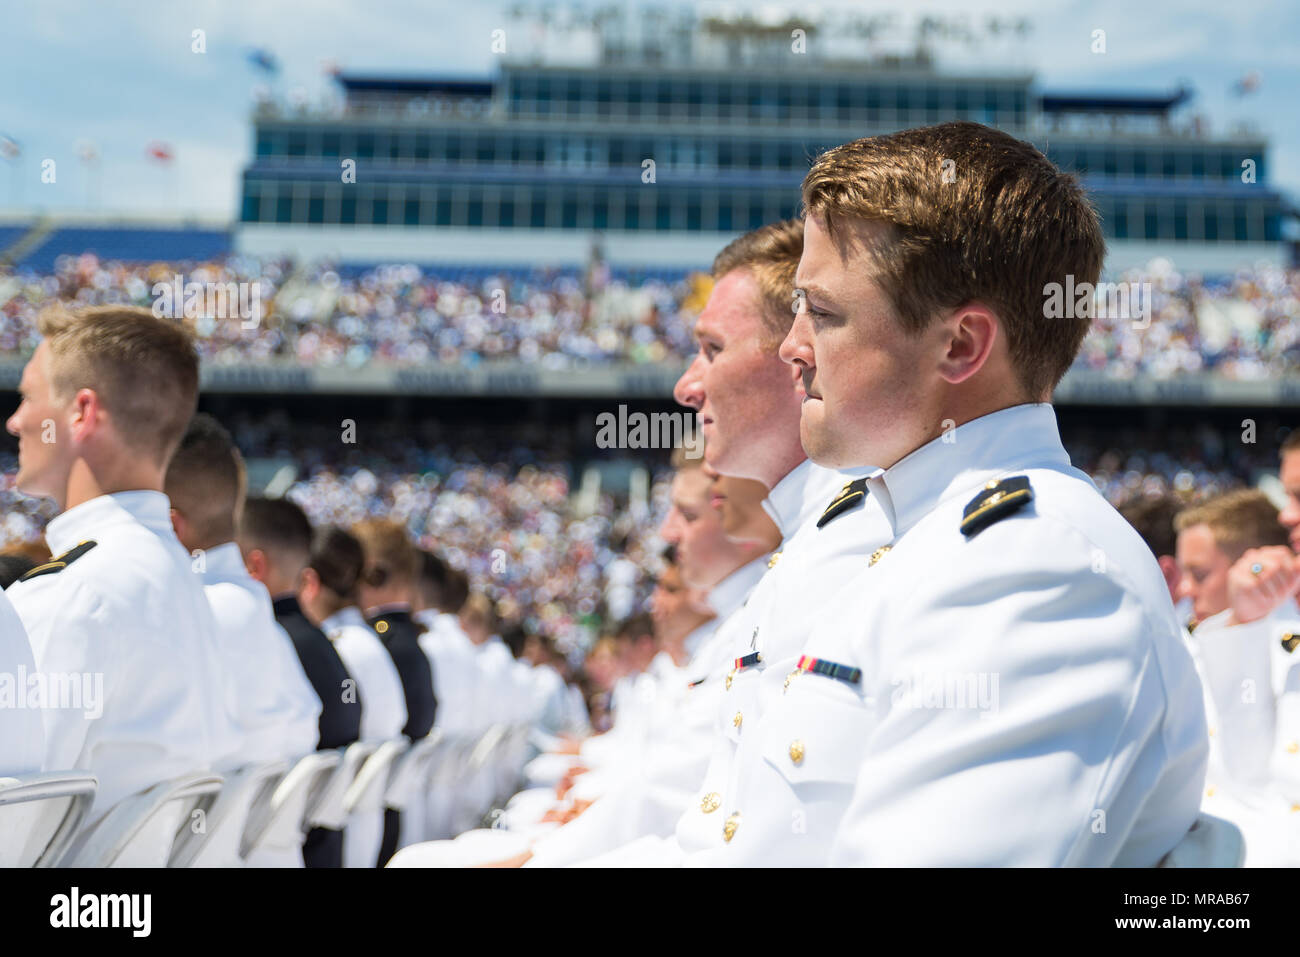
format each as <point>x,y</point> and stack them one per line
<point>45,449</point>
<point>1204,568</point>
<point>869,384</point>
<point>741,391</point>
<point>1290,514</point>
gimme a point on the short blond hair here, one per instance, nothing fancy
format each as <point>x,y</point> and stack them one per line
<point>770,254</point>
<point>390,554</point>
<point>1238,520</point>
<point>144,369</point>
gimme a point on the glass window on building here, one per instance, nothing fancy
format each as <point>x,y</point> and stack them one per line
<point>283,203</point>
<point>631,211</point>
<point>411,208</point>
<point>663,212</point>
<point>600,210</point>
<point>250,209</point>
<point>1168,164</point>
<point>1109,161</point>
<point>1140,162</point>
<point>1119,224</point>
<point>1240,225</point>
<point>348,206</point>
<point>1150,221</point>
<point>931,104</point>
<point>268,143</point>
<point>316,206</point>
<point>1198,165</point>
<point>379,209</point>
<point>724,217</point>
<point>1210,222</point>
<point>569,213</point>
<point>297,143</point>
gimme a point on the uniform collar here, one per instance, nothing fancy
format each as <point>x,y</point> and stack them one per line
<point>81,522</point>
<point>982,449</point>
<point>802,494</point>
<point>224,563</point>
<point>343,618</point>
<point>730,593</point>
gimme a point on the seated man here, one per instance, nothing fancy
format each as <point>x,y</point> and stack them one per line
<point>275,538</point>
<point>267,690</point>
<point>328,595</point>
<point>119,604</point>
<point>1243,579</point>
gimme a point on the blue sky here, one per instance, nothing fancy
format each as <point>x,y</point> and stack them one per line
<point>122,74</point>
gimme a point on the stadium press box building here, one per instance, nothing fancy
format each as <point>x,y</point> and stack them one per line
<point>665,145</point>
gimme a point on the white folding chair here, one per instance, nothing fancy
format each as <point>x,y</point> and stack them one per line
<point>444,788</point>
<point>1209,842</point>
<point>329,809</point>
<point>405,790</point>
<point>140,830</point>
<point>40,814</point>
<point>275,831</point>
<point>364,805</point>
<point>217,843</point>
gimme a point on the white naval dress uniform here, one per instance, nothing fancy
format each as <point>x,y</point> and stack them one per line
<point>128,610</point>
<point>22,732</point>
<point>829,527</point>
<point>657,788</point>
<point>266,689</point>
<point>1251,678</point>
<point>1005,685</point>
<point>383,703</point>
<point>383,714</point>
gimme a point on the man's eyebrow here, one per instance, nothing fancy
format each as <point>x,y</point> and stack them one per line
<point>812,289</point>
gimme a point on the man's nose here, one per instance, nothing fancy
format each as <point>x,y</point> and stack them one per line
<point>689,390</point>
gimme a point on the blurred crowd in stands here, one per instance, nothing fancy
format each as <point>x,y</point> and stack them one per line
<point>1241,326</point>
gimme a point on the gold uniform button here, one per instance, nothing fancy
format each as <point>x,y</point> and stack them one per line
<point>796,752</point>
<point>711,802</point>
<point>776,557</point>
<point>729,828</point>
<point>1294,808</point>
<point>1293,747</point>
<point>731,674</point>
<point>1209,792</point>
<point>878,554</point>
<point>788,679</point>
<point>735,722</point>
<point>991,484</point>
<point>1211,732</point>
<point>381,626</point>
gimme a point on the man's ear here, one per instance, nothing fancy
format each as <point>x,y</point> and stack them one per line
<point>86,413</point>
<point>309,584</point>
<point>970,335</point>
<point>256,563</point>
<point>179,525</point>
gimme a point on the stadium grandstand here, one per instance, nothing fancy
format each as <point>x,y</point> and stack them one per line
<point>538,240</point>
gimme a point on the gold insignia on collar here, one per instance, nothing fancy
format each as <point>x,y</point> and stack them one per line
<point>1289,642</point>
<point>852,493</point>
<point>776,557</point>
<point>59,562</point>
<point>878,554</point>
<point>996,501</point>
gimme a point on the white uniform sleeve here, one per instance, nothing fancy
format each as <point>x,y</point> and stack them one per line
<point>1237,667</point>
<point>1054,768</point>
<point>22,732</point>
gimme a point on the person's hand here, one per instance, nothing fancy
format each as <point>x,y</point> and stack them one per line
<point>519,860</point>
<point>568,745</point>
<point>566,783</point>
<point>1260,580</point>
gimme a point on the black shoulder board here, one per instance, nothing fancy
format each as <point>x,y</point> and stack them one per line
<point>1289,642</point>
<point>852,493</point>
<point>59,562</point>
<point>995,502</point>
